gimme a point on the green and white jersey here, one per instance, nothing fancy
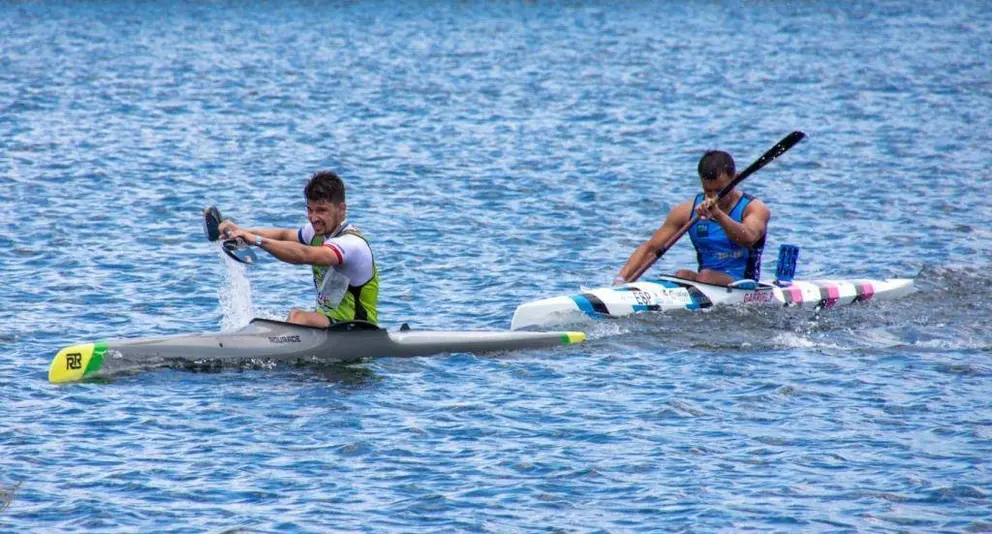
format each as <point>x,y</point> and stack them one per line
<point>349,290</point>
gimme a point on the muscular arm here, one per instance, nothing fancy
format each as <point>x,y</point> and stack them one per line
<point>278,234</point>
<point>282,244</point>
<point>677,217</point>
<point>228,228</point>
<point>297,253</point>
<point>752,227</point>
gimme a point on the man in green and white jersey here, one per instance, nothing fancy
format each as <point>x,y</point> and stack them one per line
<point>344,271</point>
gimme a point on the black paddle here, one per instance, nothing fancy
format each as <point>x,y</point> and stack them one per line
<point>236,249</point>
<point>780,148</point>
<point>211,223</point>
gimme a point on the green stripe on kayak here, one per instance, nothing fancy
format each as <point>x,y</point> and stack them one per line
<point>96,361</point>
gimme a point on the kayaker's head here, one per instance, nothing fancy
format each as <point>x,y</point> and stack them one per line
<point>716,170</point>
<point>326,208</point>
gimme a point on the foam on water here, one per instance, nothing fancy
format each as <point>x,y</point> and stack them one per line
<point>793,340</point>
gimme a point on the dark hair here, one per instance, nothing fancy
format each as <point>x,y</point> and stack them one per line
<point>714,163</point>
<point>325,186</point>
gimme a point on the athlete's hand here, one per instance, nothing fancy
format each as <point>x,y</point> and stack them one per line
<point>241,234</point>
<point>707,209</point>
<point>226,228</point>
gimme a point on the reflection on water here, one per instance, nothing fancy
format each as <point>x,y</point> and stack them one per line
<point>7,494</point>
<point>347,374</point>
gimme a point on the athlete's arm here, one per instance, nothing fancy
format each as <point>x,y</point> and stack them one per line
<point>280,234</point>
<point>299,254</point>
<point>291,251</point>
<point>752,227</point>
<point>677,217</point>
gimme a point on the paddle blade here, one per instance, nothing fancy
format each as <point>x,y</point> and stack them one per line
<point>239,251</point>
<point>211,223</point>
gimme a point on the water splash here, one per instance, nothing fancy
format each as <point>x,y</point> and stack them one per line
<point>794,340</point>
<point>235,295</point>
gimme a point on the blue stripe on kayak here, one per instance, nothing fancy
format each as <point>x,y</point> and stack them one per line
<point>584,305</point>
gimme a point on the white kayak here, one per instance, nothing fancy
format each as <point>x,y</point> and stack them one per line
<point>672,293</point>
<point>268,340</point>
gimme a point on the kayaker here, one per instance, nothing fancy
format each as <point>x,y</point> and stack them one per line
<point>728,237</point>
<point>344,271</point>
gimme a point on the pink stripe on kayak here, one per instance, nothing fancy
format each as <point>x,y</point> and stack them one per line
<point>833,292</point>
<point>795,295</point>
<point>866,291</point>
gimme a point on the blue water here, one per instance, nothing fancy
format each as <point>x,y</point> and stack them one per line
<point>496,154</point>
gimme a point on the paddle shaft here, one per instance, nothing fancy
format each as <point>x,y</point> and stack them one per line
<point>780,148</point>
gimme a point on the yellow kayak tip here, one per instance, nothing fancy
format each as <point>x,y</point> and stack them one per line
<point>74,363</point>
<point>571,338</point>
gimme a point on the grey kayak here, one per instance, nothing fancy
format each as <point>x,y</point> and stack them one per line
<point>269,340</point>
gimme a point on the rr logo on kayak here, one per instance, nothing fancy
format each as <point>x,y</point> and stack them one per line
<point>73,360</point>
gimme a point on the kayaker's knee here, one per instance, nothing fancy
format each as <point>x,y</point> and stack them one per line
<point>308,318</point>
<point>686,273</point>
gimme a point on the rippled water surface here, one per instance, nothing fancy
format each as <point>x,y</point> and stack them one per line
<point>496,154</point>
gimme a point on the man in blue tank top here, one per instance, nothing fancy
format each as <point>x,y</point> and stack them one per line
<point>728,237</point>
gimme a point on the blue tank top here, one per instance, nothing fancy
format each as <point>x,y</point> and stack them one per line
<point>714,250</point>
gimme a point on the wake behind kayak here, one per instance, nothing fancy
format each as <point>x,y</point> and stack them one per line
<point>278,341</point>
